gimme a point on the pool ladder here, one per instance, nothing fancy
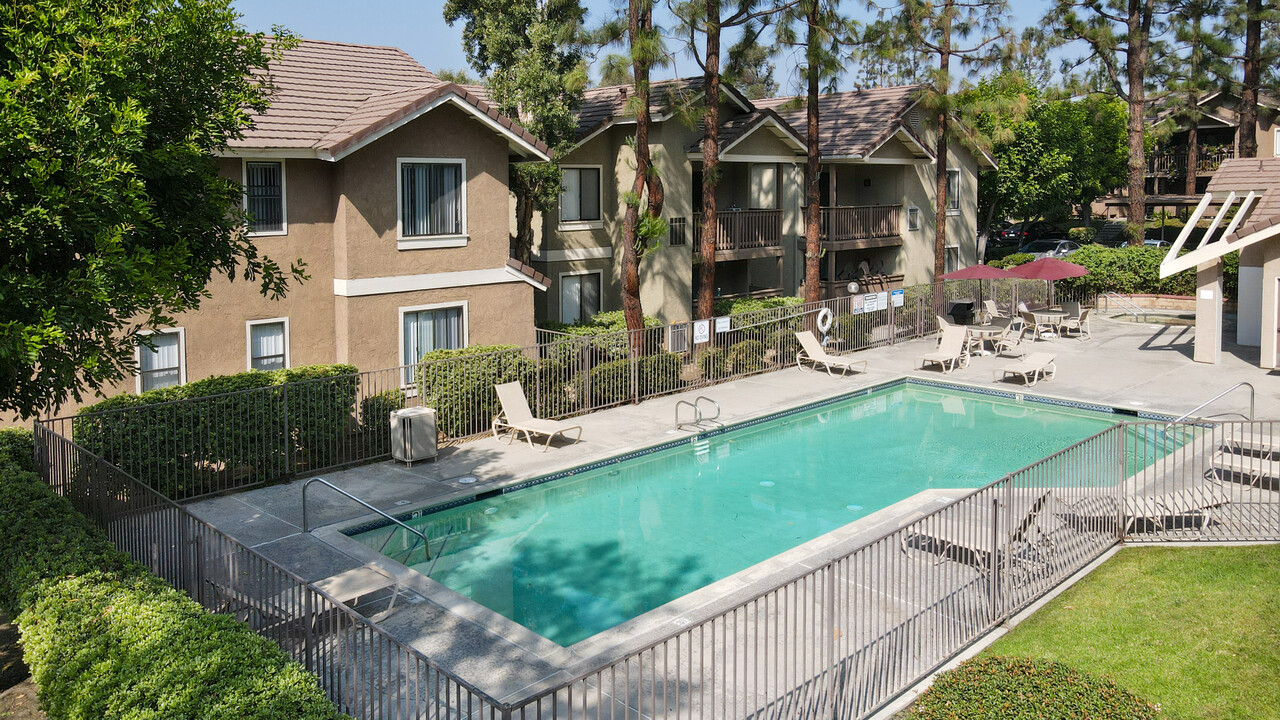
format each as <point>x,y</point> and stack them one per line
<point>698,417</point>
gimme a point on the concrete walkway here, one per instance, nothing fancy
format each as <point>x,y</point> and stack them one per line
<point>1137,366</point>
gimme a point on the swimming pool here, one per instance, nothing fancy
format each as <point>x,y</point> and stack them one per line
<point>579,554</point>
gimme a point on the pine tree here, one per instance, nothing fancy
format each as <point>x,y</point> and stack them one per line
<point>938,38</point>
<point>1257,22</point>
<point>1193,69</point>
<point>1121,36</point>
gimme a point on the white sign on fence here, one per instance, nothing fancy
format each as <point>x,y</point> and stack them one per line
<point>722,325</point>
<point>871,302</point>
<point>882,300</point>
<point>701,331</point>
<point>899,297</point>
<point>857,304</point>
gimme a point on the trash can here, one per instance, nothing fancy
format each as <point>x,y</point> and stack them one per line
<point>962,312</point>
<point>413,434</point>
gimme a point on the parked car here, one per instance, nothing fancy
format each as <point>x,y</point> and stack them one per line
<point>1156,242</point>
<point>1050,248</point>
<point>1026,232</point>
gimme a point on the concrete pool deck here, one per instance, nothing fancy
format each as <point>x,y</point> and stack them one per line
<point>1143,367</point>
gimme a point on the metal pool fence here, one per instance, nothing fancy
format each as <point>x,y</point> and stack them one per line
<point>194,447</point>
<point>840,640</point>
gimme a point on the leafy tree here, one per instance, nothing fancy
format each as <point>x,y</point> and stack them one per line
<point>112,213</point>
<point>1193,69</point>
<point>1254,21</point>
<point>749,66</point>
<point>1120,36</point>
<point>615,69</point>
<point>529,53</point>
<point>931,35</point>
<point>459,76</point>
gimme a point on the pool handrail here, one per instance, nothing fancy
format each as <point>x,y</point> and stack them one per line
<point>306,525</point>
<point>1253,402</point>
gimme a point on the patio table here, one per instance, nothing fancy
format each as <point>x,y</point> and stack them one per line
<point>1053,318</point>
<point>984,334</point>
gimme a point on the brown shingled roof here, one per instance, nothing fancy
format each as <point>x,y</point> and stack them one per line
<point>852,123</point>
<point>534,276</point>
<point>738,127</point>
<point>1251,174</point>
<point>330,97</point>
<point>602,104</point>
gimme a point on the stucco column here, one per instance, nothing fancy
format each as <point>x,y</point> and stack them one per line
<point>1208,342</point>
<point>1249,308</point>
<point>1270,305</point>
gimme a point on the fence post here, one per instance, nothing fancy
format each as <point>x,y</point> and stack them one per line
<point>635,370</point>
<point>290,463</point>
<point>893,323</point>
<point>994,560</point>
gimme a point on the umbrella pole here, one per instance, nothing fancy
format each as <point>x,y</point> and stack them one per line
<point>1051,302</point>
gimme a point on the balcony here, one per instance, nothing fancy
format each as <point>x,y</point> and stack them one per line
<point>1173,162</point>
<point>859,227</point>
<point>740,234</point>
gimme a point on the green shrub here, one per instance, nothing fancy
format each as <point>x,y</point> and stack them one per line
<point>745,305</point>
<point>855,329</point>
<point>106,639</point>
<point>746,356</point>
<point>1001,688</point>
<point>236,428</point>
<point>784,341</point>
<point>711,363</point>
<point>1082,235</point>
<point>610,383</point>
<point>459,384</point>
<point>375,413</point>
<point>601,323</point>
<point>18,446</point>
<point>1013,260</point>
<point>1133,269</point>
<point>660,373</point>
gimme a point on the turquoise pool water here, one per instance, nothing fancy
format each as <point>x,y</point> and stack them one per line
<point>575,556</point>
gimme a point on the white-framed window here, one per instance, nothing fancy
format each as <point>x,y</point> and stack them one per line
<point>580,198</point>
<point>953,191</point>
<point>952,260</point>
<point>267,344</point>
<point>431,202</point>
<point>264,198</point>
<point>165,363</point>
<point>426,328</point>
<point>913,218</point>
<point>580,295</point>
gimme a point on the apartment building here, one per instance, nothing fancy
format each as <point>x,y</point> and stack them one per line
<point>392,186</point>
<point>877,185</point>
<point>1217,140</point>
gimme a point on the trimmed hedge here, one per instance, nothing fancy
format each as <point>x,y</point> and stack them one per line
<point>1012,260</point>
<point>1005,688</point>
<point>106,639</point>
<point>600,324</point>
<point>462,392</point>
<point>721,308</point>
<point>611,381</point>
<point>17,445</point>
<point>1082,235</point>
<point>1132,269</point>
<point>238,427</point>
<point>746,356</point>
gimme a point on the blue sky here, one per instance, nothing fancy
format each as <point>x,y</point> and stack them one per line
<point>419,28</point>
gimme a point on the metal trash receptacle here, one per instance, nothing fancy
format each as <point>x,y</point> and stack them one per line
<point>413,434</point>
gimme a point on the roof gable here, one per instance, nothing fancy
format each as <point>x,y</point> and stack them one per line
<point>852,124</point>
<point>332,98</point>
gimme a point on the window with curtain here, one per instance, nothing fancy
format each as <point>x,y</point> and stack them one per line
<point>428,330</point>
<point>952,260</point>
<point>266,346</point>
<point>162,366</point>
<point>953,191</point>
<point>430,199</point>
<point>264,196</point>
<point>580,195</point>
<point>579,297</point>
<point>913,218</point>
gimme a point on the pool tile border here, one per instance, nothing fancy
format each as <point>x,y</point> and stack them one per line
<point>672,444</point>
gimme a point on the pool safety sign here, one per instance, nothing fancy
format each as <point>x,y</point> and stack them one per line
<point>722,325</point>
<point>702,332</point>
<point>898,298</point>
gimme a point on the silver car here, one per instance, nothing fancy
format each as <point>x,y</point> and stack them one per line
<point>1050,248</point>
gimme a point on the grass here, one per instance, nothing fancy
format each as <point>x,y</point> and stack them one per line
<point>1195,629</point>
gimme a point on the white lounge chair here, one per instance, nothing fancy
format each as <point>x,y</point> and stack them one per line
<point>1010,338</point>
<point>951,350</point>
<point>812,351</point>
<point>516,418</point>
<point>963,534</point>
<point>1032,368</point>
<point>993,310</point>
<point>1169,510</point>
<point>1079,323</point>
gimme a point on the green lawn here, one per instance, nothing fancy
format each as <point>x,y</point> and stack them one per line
<point>1195,629</point>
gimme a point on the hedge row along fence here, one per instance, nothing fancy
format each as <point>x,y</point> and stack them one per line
<point>235,431</point>
<point>105,638</point>
<point>1130,270</point>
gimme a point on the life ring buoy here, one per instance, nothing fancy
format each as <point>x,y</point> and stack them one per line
<point>825,319</point>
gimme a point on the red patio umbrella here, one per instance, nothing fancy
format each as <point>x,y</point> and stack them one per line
<point>1049,269</point>
<point>979,273</point>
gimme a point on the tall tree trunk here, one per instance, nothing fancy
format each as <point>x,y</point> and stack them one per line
<point>940,177</point>
<point>523,251</point>
<point>812,168</point>
<point>639,20</point>
<point>710,166</point>
<point>1193,153</point>
<point>1139,24</point>
<point>1248,130</point>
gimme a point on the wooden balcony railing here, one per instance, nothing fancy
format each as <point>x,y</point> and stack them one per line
<point>861,222</point>
<point>737,230</point>
<point>1174,162</point>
